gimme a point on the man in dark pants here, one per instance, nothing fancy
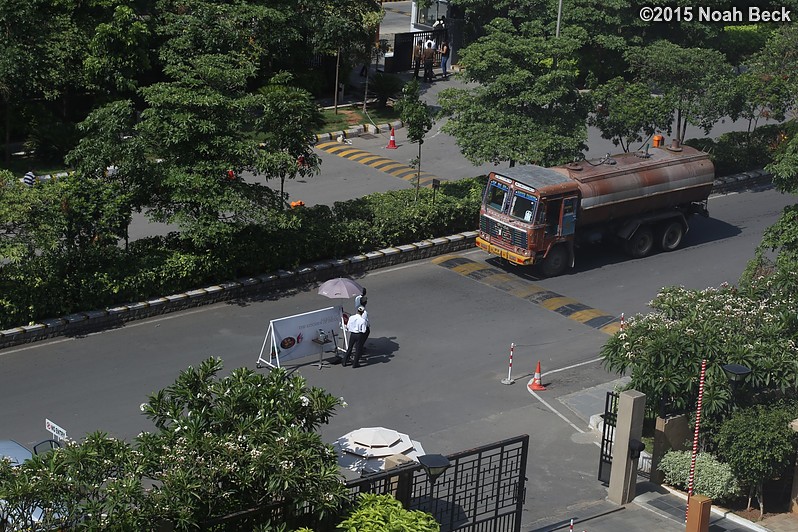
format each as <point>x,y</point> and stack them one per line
<point>418,51</point>
<point>357,335</point>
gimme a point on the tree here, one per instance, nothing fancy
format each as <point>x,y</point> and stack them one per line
<point>221,445</point>
<point>287,121</point>
<point>662,351</point>
<point>698,82</point>
<point>526,108</point>
<point>225,444</point>
<point>625,112</point>
<point>417,117</point>
<point>200,126</point>
<point>759,445</point>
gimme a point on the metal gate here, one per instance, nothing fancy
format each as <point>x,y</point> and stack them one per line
<point>482,490</point>
<point>608,436</point>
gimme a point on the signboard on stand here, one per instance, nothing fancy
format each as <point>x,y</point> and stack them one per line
<point>57,432</point>
<point>293,337</point>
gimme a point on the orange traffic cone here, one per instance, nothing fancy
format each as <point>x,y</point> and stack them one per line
<point>535,385</point>
<point>392,142</point>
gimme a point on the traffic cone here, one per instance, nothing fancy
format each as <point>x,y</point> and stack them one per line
<point>535,385</point>
<point>392,142</point>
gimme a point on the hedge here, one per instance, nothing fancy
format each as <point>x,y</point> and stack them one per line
<point>56,284</point>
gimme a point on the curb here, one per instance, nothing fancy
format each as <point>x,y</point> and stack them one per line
<point>722,512</point>
<point>356,131</point>
<point>82,322</point>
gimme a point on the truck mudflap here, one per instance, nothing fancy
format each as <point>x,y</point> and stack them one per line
<point>512,258</point>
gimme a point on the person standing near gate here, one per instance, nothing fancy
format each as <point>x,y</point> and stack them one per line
<point>429,59</point>
<point>357,331</point>
<point>418,52</point>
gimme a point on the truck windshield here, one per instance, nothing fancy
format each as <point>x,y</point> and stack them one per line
<point>496,195</point>
<point>523,206</point>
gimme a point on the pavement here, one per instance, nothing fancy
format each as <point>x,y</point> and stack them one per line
<point>655,507</point>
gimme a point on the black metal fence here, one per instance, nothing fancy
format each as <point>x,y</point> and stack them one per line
<point>402,49</point>
<point>482,490</point>
<point>607,436</point>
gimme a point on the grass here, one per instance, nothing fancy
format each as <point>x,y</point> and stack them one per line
<point>349,116</point>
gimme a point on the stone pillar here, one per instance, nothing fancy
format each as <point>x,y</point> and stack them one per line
<point>698,514</point>
<point>671,433</point>
<point>629,426</point>
<point>401,485</point>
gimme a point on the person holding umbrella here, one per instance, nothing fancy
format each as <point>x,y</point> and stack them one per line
<point>357,333</point>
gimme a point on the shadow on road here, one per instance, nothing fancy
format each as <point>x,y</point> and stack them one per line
<point>702,231</point>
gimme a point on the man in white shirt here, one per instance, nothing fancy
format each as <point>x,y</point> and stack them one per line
<point>356,326</point>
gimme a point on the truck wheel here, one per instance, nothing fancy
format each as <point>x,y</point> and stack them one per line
<point>555,262</point>
<point>641,243</point>
<point>670,236</point>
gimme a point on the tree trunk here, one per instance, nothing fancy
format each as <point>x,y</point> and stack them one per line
<point>8,131</point>
<point>418,172</point>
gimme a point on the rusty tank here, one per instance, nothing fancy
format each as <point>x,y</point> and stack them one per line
<point>629,184</point>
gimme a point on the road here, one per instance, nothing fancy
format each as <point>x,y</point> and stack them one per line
<point>439,342</point>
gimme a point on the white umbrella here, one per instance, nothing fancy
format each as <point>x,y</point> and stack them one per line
<point>340,287</point>
<point>366,449</point>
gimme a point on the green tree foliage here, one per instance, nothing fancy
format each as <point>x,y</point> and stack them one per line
<point>759,445</point>
<point>416,115</point>
<point>118,51</point>
<point>626,112</point>
<point>221,445</point>
<point>697,81</point>
<point>287,120</point>
<point>86,486</point>
<point>200,127</point>
<point>768,86</point>
<point>230,443</point>
<point>383,513</point>
<point>526,108</point>
<point>662,351</point>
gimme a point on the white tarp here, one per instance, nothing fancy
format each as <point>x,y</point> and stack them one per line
<point>292,337</point>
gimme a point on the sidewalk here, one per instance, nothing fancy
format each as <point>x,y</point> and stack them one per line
<point>655,507</point>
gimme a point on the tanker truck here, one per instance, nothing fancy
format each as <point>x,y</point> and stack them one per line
<point>536,215</point>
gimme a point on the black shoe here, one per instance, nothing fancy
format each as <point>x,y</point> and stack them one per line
<point>356,365</point>
<point>345,362</point>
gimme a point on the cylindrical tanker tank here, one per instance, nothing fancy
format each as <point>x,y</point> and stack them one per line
<point>631,184</point>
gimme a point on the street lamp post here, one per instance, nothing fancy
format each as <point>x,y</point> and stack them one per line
<point>434,465</point>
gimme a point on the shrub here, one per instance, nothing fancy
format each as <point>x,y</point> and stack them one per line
<point>383,513</point>
<point>385,86</point>
<point>739,151</point>
<point>713,478</point>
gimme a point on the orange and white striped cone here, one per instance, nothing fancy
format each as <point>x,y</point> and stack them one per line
<point>392,142</point>
<point>534,384</point>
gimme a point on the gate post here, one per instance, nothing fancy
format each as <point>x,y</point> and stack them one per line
<point>623,476</point>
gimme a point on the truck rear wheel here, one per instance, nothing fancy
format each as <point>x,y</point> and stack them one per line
<point>641,243</point>
<point>555,262</point>
<point>670,236</point>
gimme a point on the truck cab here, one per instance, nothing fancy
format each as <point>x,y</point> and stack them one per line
<point>528,216</point>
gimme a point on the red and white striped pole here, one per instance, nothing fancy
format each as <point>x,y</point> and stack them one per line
<point>623,324</point>
<point>571,528</point>
<point>509,379</point>
<point>691,478</point>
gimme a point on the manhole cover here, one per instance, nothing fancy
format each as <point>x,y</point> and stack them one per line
<point>368,136</point>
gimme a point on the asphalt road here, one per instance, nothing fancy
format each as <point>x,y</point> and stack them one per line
<point>439,342</point>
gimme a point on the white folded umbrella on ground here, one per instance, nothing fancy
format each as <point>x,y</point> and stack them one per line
<point>365,449</point>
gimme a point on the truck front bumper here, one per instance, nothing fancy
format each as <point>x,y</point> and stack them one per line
<point>514,258</point>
